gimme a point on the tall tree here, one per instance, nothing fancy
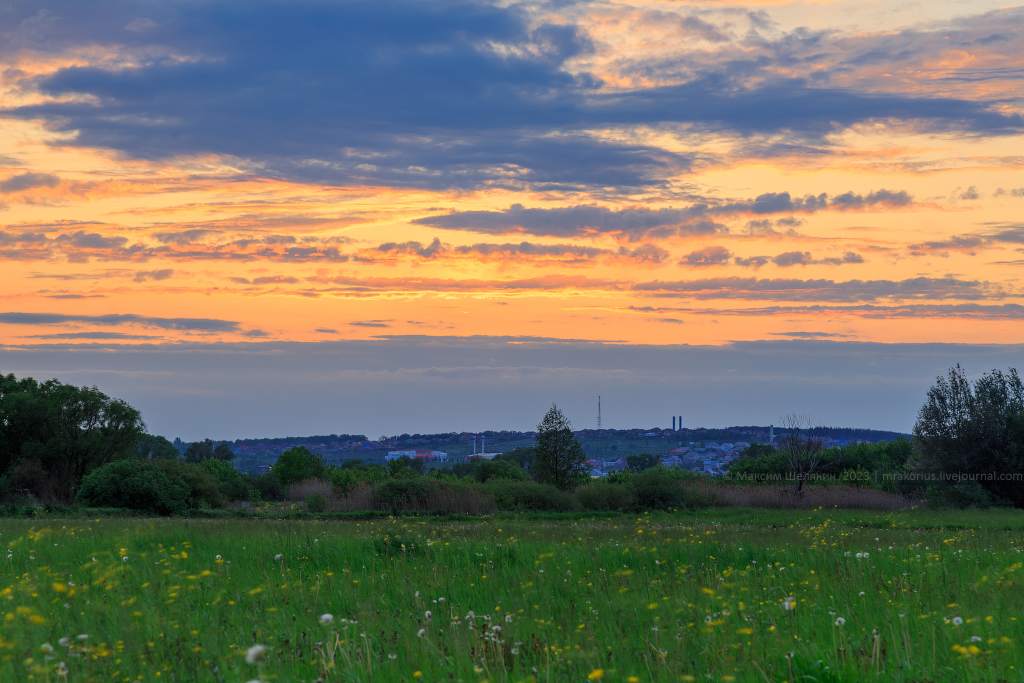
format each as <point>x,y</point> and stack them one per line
<point>973,434</point>
<point>54,434</point>
<point>199,451</point>
<point>559,456</point>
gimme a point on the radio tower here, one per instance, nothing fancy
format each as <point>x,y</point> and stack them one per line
<point>599,413</point>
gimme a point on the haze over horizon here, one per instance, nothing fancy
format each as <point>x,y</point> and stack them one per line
<point>313,217</point>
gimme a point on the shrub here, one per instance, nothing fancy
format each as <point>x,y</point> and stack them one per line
<point>399,494</point>
<point>345,479</point>
<point>233,484</point>
<point>603,495</point>
<point>486,470</point>
<point>528,495</point>
<point>299,463</point>
<point>316,503</point>
<point>639,462</point>
<point>428,495</point>
<point>204,492</point>
<point>269,487</point>
<point>135,485</point>
<point>659,488</point>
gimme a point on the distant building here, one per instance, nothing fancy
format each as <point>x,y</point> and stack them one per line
<point>428,456</point>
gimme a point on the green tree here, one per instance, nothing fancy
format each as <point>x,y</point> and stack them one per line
<point>156,447</point>
<point>968,438</point>
<point>524,456</point>
<point>223,452</point>
<point>199,451</point>
<point>53,434</point>
<point>559,454</point>
<point>639,462</point>
<point>299,463</point>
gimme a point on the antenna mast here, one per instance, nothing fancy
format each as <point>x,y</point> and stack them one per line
<point>599,412</point>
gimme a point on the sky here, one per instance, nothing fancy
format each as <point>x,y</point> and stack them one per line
<point>275,218</point>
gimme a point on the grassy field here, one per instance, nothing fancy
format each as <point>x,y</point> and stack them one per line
<point>732,595</point>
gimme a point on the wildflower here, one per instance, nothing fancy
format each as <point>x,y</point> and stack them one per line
<point>440,599</point>
<point>470,615</point>
<point>421,633</point>
<point>46,648</point>
<point>508,618</point>
<point>865,556</point>
<point>124,559</point>
<point>515,650</point>
<point>840,621</point>
<point>595,674</point>
<point>860,555</point>
<point>417,674</point>
<point>326,619</point>
<point>957,621</point>
<point>417,594</point>
<point>83,636</point>
<point>62,669</point>
<point>478,669</point>
<point>278,557</point>
<point>218,557</point>
<point>496,628</point>
<point>707,619</point>
<point>861,594</point>
<point>428,614</point>
<point>789,603</point>
<point>392,656</point>
<point>255,654</point>
<point>64,642</point>
<point>975,639</point>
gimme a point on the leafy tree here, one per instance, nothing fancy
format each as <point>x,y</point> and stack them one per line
<point>485,470</point>
<point>641,461</point>
<point>524,456</point>
<point>224,453</point>
<point>156,447</point>
<point>199,451</point>
<point>559,454</point>
<point>967,437</point>
<point>299,463</point>
<point>232,483</point>
<point>756,450</point>
<point>52,434</point>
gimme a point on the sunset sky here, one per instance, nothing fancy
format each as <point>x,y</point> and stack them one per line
<point>285,184</point>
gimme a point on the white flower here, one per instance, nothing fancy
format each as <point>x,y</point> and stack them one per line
<point>417,594</point>
<point>865,556</point>
<point>515,650</point>
<point>422,632</point>
<point>392,656</point>
<point>255,654</point>
<point>428,614</point>
<point>218,557</point>
<point>789,603</point>
<point>326,619</point>
<point>64,642</point>
<point>124,559</point>
<point>278,557</point>
<point>840,621</point>
<point>860,555</point>
<point>496,628</point>
<point>477,668</point>
<point>508,618</point>
<point>47,648</point>
<point>470,615</point>
<point>707,619</point>
<point>440,599</point>
<point>975,639</point>
<point>957,621</point>
<point>861,593</point>
<point>62,669</point>
<point>83,636</point>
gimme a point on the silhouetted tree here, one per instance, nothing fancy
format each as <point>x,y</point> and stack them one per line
<point>559,454</point>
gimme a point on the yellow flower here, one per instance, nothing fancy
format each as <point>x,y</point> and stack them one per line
<point>595,674</point>
<point>417,674</point>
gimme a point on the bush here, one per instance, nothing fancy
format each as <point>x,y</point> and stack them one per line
<point>486,470</point>
<point>641,461</point>
<point>135,485</point>
<point>519,496</point>
<point>233,484</point>
<point>429,495</point>
<point>203,490</point>
<point>603,495</point>
<point>299,463</point>
<point>270,487</point>
<point>316,503</point>
<point>660,488</point>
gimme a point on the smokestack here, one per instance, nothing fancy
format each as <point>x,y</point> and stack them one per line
<point>673,423</point>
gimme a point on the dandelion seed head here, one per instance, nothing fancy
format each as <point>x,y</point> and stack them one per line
<point>840,621</point>
<point>957,621</point>
<point>422,632</point>
<point>255,654</point>
<point>326,619</point>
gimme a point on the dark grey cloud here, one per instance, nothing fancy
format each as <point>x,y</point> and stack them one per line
<point>452,93</point>
<point>371,323</point>
<point>182,237</point>
<point>810,335</point>
<point>27,181</point>
<point>91,240</point>
<point>824,290</point>
<point>696,219</point>
<point>921,311</point>
<point>708,256</point>
<point>161,274</point>
<point>1006,233</point>
<point>91,335</point>
<point>115,320</point>
<point>798,258</point>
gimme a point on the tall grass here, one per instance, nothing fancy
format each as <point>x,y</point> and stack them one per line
<point>810,498</point>
<point>639,598</point>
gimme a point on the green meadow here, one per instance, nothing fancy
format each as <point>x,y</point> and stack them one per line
<point>736,595</point>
